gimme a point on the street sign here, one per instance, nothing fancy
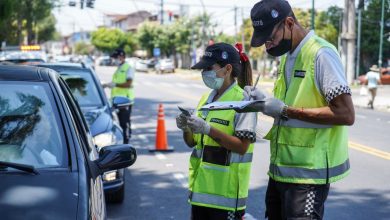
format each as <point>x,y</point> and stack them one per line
<point>156,52</point>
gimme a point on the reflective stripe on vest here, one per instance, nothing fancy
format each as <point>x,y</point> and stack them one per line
<point>296,123</point>
<point>304,173</point>
<point>217,200</point>
<point>234,157</point>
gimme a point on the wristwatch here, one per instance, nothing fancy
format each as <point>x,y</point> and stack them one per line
<point>284,115</point>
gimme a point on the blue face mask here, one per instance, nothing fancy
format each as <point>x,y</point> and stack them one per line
<point>211,80</point>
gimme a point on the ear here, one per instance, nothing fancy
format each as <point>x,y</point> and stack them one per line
<point>229,68</point>
<point>289,22</point>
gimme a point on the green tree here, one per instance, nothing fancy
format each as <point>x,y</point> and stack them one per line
<point>83,48</point>
<point>130,43</point>
<point>46,29</point>
<point>371,18</point>
<point>107,40</point>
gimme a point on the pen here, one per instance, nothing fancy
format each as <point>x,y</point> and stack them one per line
<point>257,80</point>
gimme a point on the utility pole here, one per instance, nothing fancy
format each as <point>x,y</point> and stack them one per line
<point>381,35</point>
<point>243,32</point>
<point>360,8</point>
<point>358,43</point>
<point>162,12</point>
<point>348,37</point>
<point>312,15</point>
<point>235,24</point>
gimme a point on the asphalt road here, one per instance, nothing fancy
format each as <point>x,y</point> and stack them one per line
<point>156,184</point>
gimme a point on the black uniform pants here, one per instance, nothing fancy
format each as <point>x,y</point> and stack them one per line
<point>205,213</point>
<point>124,116</point>
<point>289,201</point>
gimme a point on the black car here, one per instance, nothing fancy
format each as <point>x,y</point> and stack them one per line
<point>49,165</point>
<point>100,116</point>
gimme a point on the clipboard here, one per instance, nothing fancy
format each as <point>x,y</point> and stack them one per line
<point>238,106</point>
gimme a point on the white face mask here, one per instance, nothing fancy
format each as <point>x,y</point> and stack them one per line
<point>211,80</point>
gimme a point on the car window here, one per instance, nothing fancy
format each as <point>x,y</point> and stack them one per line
<point>30,131</point>
<point>83,87</point>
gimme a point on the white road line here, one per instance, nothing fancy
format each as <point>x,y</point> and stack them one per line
<point>169,165</point>
<point>166,84</point>
<point>135,84</point>
<point>142,137</point>
<point>360,116</point>
<point>160,156</point>
<point>197,86</point>
<point>181,85</point>
<point>148,83</point>
<point>181,179</point>
<point>388,122</point>
<point>248,216</point>
<point>133,127</point>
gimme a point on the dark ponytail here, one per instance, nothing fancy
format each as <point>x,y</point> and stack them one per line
<point>243,71</point>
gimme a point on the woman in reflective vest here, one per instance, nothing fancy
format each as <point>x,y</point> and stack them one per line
<point>223,140</point>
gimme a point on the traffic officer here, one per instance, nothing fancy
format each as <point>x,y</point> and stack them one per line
<point>223,140</point>
<point>311,108</point>
<point>122,85</point>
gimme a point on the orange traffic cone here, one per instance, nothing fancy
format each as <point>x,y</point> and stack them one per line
<point>161,134</point>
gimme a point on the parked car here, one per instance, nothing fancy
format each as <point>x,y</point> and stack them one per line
<point>141,66</point>
<point>49,165</point>
<point>100,116</point>
<point>165,65</point>
<point>104,61</point>
<point>384,76</point>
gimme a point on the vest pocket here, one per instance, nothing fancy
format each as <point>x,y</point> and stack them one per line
<point>295,147</point>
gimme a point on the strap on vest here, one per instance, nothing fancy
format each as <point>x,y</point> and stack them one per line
<point>217,200</point>
<point>304,173</point>
<point>295,123</point>
<point>234,157</point>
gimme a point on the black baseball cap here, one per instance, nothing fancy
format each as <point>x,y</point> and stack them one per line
<point>265,15</point>
<point>118,52</point>
<point>221,53</point>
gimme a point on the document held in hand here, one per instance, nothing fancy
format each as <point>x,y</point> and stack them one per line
<point>238,106</point>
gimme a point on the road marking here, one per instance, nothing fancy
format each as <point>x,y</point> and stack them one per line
<point>142,137</point>
<point>360,116</point>
<point>148,83</point>
<point>369,150</point>
<point>166,84</point>
<point>388,122</point>
<point>181,85</point>
<point>160,156</point>
<point>181,179</point>
<point>248,216</point>
<point>169,165</point>
<point>197,86</point>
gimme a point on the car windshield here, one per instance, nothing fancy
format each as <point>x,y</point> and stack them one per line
<point>30,131</point>
<point>83,87</point>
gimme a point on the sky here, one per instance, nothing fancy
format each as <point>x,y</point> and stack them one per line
<point>70,19</point>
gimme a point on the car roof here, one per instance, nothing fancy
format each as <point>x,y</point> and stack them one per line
<point>24,73</point>
<point>63,65</point>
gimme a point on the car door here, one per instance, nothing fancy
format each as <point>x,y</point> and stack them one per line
<point>93,181</point>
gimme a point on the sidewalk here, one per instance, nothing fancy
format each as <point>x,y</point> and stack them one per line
<point>382,100</point>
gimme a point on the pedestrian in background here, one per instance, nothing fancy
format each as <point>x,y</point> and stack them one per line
<point>223,140</point>
<point>373,79</point>
<point>122,85</point>
<point>311,106</point>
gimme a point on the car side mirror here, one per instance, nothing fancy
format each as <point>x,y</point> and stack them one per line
<point>119,102</point>
<point>115,157</point>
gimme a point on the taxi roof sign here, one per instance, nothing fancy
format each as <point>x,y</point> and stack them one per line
<point>30,47</point>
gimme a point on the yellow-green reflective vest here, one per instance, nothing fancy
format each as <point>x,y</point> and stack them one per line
<point>219,178</point>
<point>303,152</point>
<point>120,76</point>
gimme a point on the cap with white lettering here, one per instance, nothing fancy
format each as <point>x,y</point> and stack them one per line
<point>265,15</point>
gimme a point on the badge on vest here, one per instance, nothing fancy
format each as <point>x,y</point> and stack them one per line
<point>220,121</point>
<point>299,73</point>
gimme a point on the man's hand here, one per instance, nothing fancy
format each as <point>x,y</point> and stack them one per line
<point>198,125</point>
<point>273,107</point>
<point>109,85</point>
<point>181,122</point>
<point>254,94</point>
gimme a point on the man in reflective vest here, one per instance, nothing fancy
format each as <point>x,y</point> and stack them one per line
<point>311,108</point>
<point>122,85</point>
